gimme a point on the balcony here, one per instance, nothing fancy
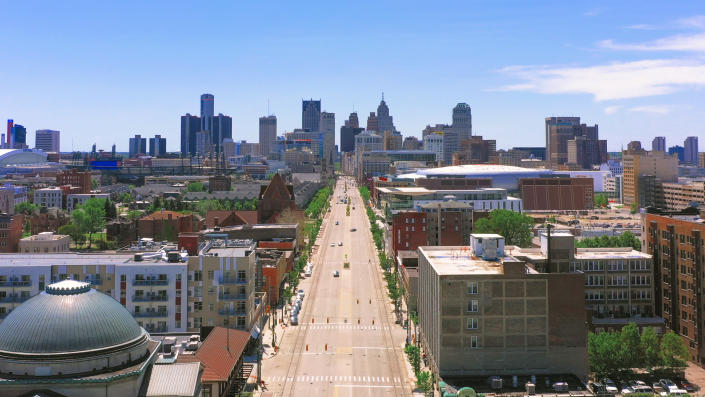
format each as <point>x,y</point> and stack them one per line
<point>232,297</point>
<point>154,329</point>
<point>232,280</point>
<point>94,280</point>
<point>15,283</point>
<point>152,313</point>
<point>150,298</point>
<point>14,299</point>
<point>232,312</point>
<point>149,282</point>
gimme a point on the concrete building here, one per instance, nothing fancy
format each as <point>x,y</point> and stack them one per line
<point>48,140</point>
<point>311,115</point>
<point>157,146</point>
<point>434,143</point>
<point>557,194</point>
<point>475,150</point>
<point>190,125</point>
<point>221,129</point>
<point>367,141</point>
<point>74,200</point>
<point>691,150</point>
<point>586,146</point>
<point>411,143</point>
<point>219,183</point>
<point>658,144</point>
<point>462,120</point>
<point>207,111</point>
<point>675,239</point>
<point>372,123</point>
<point>348,133</point>
<point>44,243</point>
<point>385,122</point>
<point>50,197</point>
<point>166,225</point>
<point>483,312</point>
<point>639,163</point>
<point>392,140</point>
<point>683,194</point>
<point>138,146</point>
<point>378,162</point>
<point>327,127</point>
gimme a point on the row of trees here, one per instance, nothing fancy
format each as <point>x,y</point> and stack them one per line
<point>87,219</point>
<point>318,202</point>
<point>515,227</point>
<point>610,352</point>
<point>626,239</point>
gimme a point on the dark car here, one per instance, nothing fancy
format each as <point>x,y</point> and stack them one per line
<point>687,387</point>
<point>353,230</point>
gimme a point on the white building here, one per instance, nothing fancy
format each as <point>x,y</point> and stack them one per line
<point>434,143</point>
<point>49,197</point>
<point>367,141</point>
<point>47,140</point>
<point>74,200</point>
<point>44,243</point>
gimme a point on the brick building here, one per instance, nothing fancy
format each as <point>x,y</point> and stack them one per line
<point>675,239</point>
<point>49,221</point>
<point>166,225</point>
<point>557,194</point>
<point>74,177</point>
<point>10,232</point>
<point>274,198</point>
<point>219,183</point>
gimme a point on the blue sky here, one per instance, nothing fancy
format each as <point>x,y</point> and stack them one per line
<point>103,71</point>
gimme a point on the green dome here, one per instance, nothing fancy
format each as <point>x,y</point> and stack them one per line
<point>69,317</point>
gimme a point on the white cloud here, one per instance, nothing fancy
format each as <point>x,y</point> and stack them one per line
<point>642,26</point>
<point>592,13</point>
<point>612,109</point>
<point>693,42</point>
<point>656,109</point>
<point>620,80</point>
<point>696,21</point>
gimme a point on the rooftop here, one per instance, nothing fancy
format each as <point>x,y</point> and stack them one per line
<point>219,360</point>
<point>459,260</point>
<point>176,380</point>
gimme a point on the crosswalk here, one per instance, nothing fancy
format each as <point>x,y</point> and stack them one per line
<point>335,379</point>
<point>318,327</point>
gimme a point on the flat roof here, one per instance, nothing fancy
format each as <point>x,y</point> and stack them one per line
<point>458,260</point>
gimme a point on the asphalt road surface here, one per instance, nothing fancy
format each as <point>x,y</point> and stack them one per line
<point>346,343</point>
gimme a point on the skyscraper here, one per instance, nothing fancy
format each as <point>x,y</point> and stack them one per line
<point>267,134</point>
<point>221,128</point>
<point>352,120</point>
<point>157,146</point>
<point>138,145</point>
<point>462,120</point>
<point>327,127</point>
<point>348,132</point>
<point>190,125</point>
<point>385,122</point>
<point>311,115</point>
<point>372,123</point>
<point>659,144</point>
<point>47,140</point>
<point>691,150</point>
<point>207,111</point>
<point>19,137</point>
<point>561,130</point>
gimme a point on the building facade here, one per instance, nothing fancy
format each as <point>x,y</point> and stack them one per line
<point>138,145</point>
<point>157,146</point>
<point>48,140</point>
<point>44,243</point>
<point>557,194</point>
<point>311,115</point>
<point>639,163</point>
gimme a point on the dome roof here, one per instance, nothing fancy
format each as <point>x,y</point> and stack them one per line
<point>69,317</point>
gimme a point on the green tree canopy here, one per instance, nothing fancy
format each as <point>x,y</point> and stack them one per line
<point>626,239</point>
<point>90,217</point>
<point>515,227</point>
<point>650,348</point>
<point>674,352</point>
<point>26,208</point>
<point>74,233</point>
<point>195,187</point>
<point>601,201</point>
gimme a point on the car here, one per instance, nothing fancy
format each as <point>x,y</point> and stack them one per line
<point>625,388</point>
<point>336,222</point>
<point>340,243</point>
<point>597,387</point>
<point>308,273</point>
<point>294,320</point>
<point>353,230</point>
<point>336,273</point>
<point>610,386</point>
<point>301,294</point>
<point>687,387</point>
<point>668,385</point>
<point>332,244</point>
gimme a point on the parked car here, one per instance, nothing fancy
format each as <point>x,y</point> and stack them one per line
<point>301,294</point>
<point>610,386</point>
<point>687,387</point>
<point>668,385</point>
<point>336,222</point>
<point>294,320</point>
<point>336,274</point>
<point>340,243</point>
<point>598,387</point>
<point>353,230</point>
<point>332,244</point>
<point>625,388</point>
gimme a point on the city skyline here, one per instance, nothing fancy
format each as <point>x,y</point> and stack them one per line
<point>116,97</point>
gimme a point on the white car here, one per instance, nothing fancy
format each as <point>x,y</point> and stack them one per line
<point>301,294</point>
<point>336,274</point>
<point>332,244</point>
<point>340,244</point>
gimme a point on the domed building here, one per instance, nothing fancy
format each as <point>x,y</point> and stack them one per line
<point>74,341</point>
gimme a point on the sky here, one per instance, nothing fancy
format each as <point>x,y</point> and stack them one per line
<point>101,72</point>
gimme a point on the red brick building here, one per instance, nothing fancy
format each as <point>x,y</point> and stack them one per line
<point>557,194</point>
<point>10,232</point>
<point>166,225</point>
<point>219,183</point>
<point>230,218</point>
<point>408,231</point>
<point>75,178</point>
<point>49,221</point>
<point>675,240</point>
<point>274,198</point>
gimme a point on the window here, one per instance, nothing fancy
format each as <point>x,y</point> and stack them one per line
<point>241,275</point>
<point>473,342</point>
<point>473,306</point>
<point>197,306</point>
<point>197,276</point>
<point>472,287</point>
<point>472,323</point>
<point>210,274</point>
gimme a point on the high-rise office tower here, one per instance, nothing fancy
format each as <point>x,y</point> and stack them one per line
<point>207,111</point>
<point>327,128</point>
<point>157,146</point>
<point>385,122</point>
<point>190,125</point>
<point>19,137</point>
<point>586,148</point>
<point>372,123</point>
<point>659,144</point>
<point>7,139</point>
<point>348,132</point>
<point>204,143</point>
<point>221,128</point>
<point>138,145</point>
<point>311,115</point>
<point>267,134</point>
<point>47,140</point>
<point>691,150</point>
<point>462,120</point>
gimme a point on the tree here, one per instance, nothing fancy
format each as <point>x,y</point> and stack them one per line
<point>134,215</point>
<point>673,350</point>
<point>26,208</point>
<point>631,353</point>
<point>365,193</point>
<point>604,352</point>
<point>424,381</point>
<point>74,232</point>
<point>601,201</point>
<point>650,348</point>
<point>125,198</point>
<point>633,208</point>
<point>90,217</point>
<point>94,184</point>
<point>195,187</point>
<point>414,354</point>
<point>516,228</point>
<point>626,239</point>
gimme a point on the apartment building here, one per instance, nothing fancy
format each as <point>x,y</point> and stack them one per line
<point>557,194</point>
<point>11,227</point>
<point>50,197</point>
<point>74,200</point>
<point>74,177</point>
<point>639,163</point>
<point>681,195</point>
<point>483,312</point>
<point>675,239</point>
<point>44,243</point>
<point>619,282</point>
